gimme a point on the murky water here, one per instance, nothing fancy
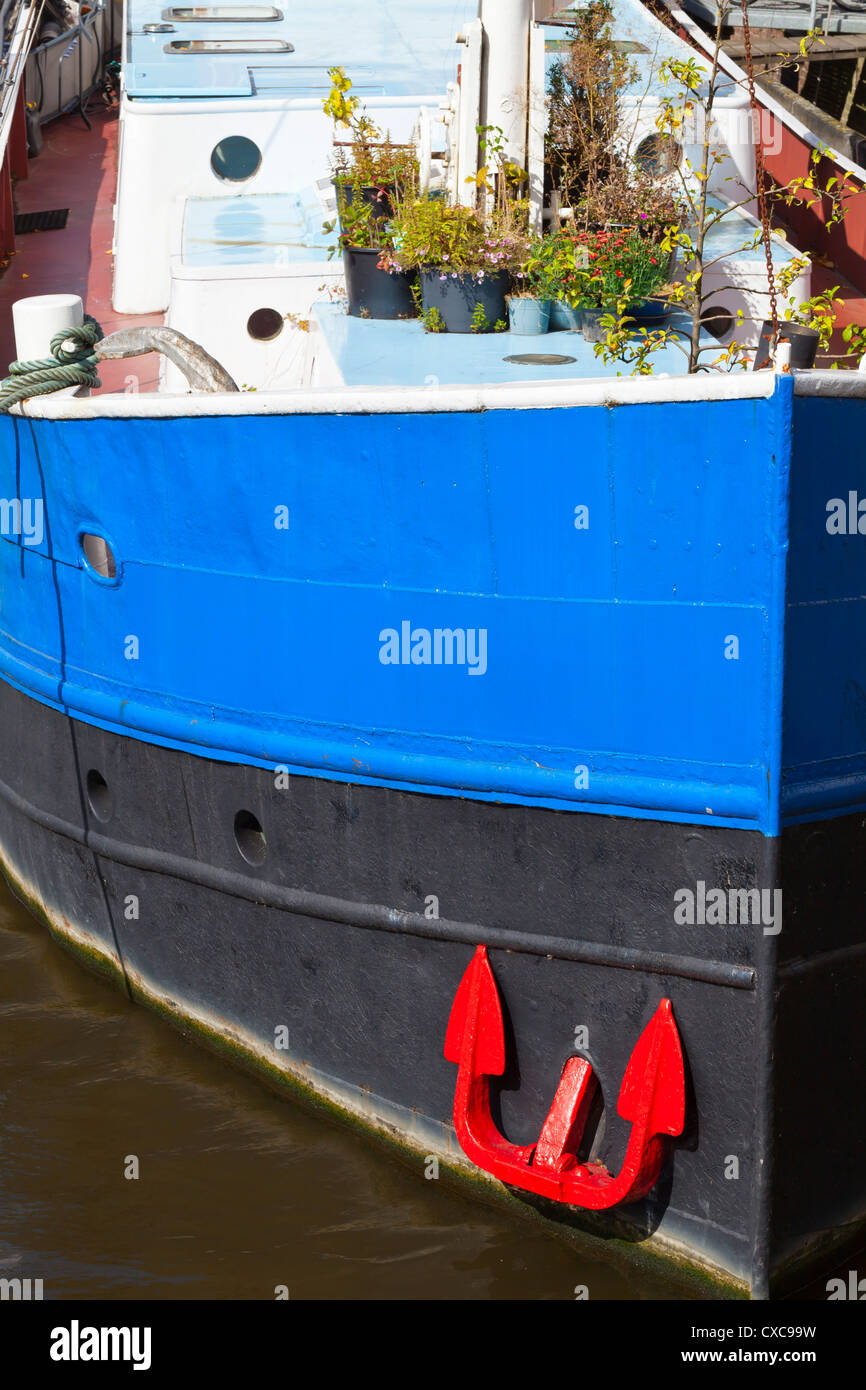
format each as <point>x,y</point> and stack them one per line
<point>239,1190</point>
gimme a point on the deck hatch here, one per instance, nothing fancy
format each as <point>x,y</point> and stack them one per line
<point>186,46</point>
<point>305,81</point>
<point>222,14</point>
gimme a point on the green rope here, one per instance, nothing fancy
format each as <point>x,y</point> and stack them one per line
<point>73,366</point>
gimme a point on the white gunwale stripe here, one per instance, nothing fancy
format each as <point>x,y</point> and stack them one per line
<point>398,400</point>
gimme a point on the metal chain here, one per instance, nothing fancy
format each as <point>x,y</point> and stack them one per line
<point>760,176</point>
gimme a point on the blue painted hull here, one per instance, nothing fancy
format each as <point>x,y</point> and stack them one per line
<point>265,644</point>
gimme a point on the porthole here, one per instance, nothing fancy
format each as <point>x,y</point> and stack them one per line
<point>250,838</point>
<point>99,555</point>
<point>717,321</point>
<point>265,324</point>
<point>235,159</point>
<point>658,154</point>
<point>98,795</point>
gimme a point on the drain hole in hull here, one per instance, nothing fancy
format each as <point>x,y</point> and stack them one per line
<point>250,838</point>
<point>98,795</point>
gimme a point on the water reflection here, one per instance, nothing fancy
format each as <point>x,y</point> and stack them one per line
<point>239,1191</point>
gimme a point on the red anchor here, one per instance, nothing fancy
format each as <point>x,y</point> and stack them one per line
<point>652,1097</point>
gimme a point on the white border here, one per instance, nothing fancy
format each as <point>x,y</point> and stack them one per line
<point>401,400</point>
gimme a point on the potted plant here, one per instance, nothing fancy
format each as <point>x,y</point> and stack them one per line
<point>376,287</point>
<point>464,261</point>
<point>559,259</point>
<point>622,268</point>
<point>531,299</point>
<point>368,167</point>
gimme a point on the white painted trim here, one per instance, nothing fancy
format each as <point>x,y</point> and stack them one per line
<point>401,400</point>
<point>292,270</point>
<point>705,42</point>
<point>214,106</point>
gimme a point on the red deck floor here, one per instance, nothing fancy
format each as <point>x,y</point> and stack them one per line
<point>77,168</point>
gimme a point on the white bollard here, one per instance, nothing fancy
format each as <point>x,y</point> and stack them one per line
<point>37,319</point>
<point>782,361</point>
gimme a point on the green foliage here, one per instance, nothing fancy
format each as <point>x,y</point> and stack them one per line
<point>430,234</point>
<point>368,157</point>
<point>381,164</point>
<point>480,322</point>
<point>360,224</point>
<point>501,180</point>
<point>549,266</point>
<point>619,265</point>
<point>433,321</point>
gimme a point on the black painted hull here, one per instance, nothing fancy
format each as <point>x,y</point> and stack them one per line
<point>333,939</point>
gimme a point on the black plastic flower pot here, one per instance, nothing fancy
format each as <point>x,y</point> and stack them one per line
<point>375,293</point>
<point>466,303</point>
<point>804,344</point>
<point>378,196</point>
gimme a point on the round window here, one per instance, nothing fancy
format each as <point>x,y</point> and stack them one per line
<point>265,324</point>
<point>718,321</point>
<point>235,159</point>
<point>658,154</point>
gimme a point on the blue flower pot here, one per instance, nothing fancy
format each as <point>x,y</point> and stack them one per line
<point>564,319</point>
<point>649,311</point>
<point>529,316</point>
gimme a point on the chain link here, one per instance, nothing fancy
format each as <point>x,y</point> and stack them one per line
<point>760,174</point>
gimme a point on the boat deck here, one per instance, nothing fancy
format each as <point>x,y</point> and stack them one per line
<point>367,352</point>
<point>77,169</point>
<point>263,51</point>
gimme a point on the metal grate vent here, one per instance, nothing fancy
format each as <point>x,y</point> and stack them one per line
<point>53,221</point>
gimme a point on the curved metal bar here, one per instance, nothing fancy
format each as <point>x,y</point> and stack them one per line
<point>203,372</point>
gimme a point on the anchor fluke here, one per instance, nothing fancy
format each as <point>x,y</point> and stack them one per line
<point>656,1065</point>
<point>476,1010</point>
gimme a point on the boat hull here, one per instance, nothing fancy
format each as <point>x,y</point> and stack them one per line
<point>330,941</point>
<point>630,714</point>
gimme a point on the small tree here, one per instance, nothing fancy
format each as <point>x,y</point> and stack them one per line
<point>585,88</point>
<point>692,94</point>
